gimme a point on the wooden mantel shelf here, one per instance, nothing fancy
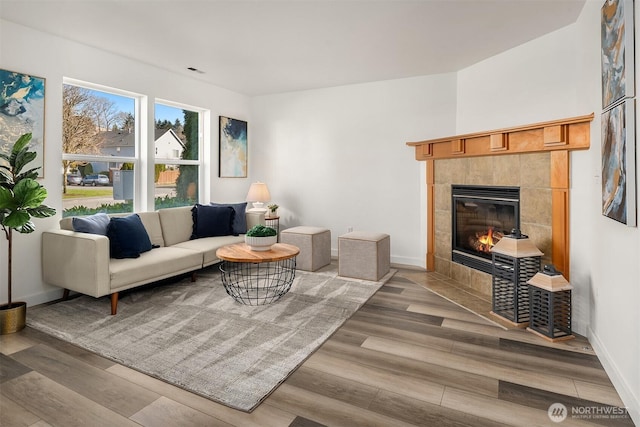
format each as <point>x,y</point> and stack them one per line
<point>559,137</point>
<point>565,134</point>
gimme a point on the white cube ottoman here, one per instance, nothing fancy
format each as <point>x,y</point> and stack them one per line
<point>314,244</point>
<point>364,255</point>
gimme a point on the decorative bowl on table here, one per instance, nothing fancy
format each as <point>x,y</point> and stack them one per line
<point>260,243</point>
<point>261,238</point>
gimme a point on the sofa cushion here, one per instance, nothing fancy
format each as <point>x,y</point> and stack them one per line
<point>211,221</point>
<point>177,224</point>
<point>153,265</point>
<point>127,237</point>
<point>208,246</point>
<point>151,222</point>
<point>240,220</point>
<point>92,224</point>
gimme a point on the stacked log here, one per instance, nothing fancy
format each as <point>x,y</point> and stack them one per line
<point>483,241</point>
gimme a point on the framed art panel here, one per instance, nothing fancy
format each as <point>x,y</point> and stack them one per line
<point>619,163</point>
<point>22,111</point>
<point>232,148</point>
<point>617,51</point>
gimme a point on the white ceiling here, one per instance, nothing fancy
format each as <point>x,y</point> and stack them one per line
<point>263,46</point>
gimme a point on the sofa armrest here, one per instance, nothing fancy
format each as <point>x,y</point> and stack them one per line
<point>76,261</point>
<point>255,218</point>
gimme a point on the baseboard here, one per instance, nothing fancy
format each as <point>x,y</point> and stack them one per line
<point>409,267</point>
<point>402,262</point>
<point>408,261</point>
<point>627,395</point>
<point>42,297</point>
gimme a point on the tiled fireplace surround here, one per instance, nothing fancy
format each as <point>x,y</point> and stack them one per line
<point>530,172</point>
<point>534,157</point>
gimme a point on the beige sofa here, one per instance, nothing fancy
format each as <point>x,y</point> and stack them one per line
<point>80,262</point>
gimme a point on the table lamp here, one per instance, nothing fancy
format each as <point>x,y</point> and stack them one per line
<point>258,194</point>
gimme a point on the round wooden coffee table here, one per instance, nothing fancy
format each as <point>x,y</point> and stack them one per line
<point>257,277</point>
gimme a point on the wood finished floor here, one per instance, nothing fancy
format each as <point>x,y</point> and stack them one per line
<point>407,358</point>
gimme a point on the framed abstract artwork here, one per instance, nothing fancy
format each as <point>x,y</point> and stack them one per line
<point>617,51</point>
<point>22,111</point>
<point>232,148</point>
<point>619,163</point>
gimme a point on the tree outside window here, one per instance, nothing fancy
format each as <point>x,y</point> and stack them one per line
<point>98,127</point>
<point>177,159</point>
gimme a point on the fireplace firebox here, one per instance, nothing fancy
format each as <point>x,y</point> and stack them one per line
<point>481,216</point>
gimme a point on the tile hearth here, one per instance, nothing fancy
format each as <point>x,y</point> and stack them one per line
<point>479,303</point>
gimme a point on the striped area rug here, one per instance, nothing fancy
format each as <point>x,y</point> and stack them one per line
<point>194,336</point>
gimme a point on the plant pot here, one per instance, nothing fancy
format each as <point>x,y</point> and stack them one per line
<point>12,319</point>
<point>260,244</point>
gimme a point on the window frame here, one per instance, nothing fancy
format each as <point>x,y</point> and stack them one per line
<point>144,159</point>
<point>202,114</point>
<point>136,160</point>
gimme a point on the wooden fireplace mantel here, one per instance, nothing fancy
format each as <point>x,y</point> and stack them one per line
<point>557,136</point>
<point>566,134</point>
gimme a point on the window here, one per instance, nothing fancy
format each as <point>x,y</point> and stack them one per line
<point>107,155</point>
<point>178,143</point>
<point>99,149</point>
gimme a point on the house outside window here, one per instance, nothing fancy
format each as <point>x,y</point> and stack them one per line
<point>177,154</point>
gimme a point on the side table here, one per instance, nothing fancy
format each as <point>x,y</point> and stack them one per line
<point>273,222</point>
<point>257,277</point>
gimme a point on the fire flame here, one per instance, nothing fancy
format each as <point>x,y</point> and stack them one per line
<point>487,239</point>
<point>483,241</point>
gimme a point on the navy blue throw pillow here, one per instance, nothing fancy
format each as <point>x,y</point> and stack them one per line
<point>240,220</point>
<point>211,221</point>
<point>127,237</point>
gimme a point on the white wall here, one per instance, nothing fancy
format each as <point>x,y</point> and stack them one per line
<point>337,157</point>
<point>553,77</point>
<point>528,84</point>
<point>32,52</point>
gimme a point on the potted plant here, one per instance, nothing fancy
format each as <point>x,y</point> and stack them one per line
<point>261,238</point>
<point>21,198</point>
<point>273,210</point>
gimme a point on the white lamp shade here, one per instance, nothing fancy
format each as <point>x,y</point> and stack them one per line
<point>258,192</point>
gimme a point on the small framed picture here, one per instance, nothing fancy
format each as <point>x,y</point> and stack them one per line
<point>619,163</point>
<point>617,51</point>
<point>232,148</point>
<point>22,111</point>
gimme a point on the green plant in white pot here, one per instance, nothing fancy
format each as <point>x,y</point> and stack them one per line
<point>261,238</point>
<point>273,210</point>
<point>21,198</point>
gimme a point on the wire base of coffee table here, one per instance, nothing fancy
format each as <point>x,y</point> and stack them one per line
<point>258,283</point>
